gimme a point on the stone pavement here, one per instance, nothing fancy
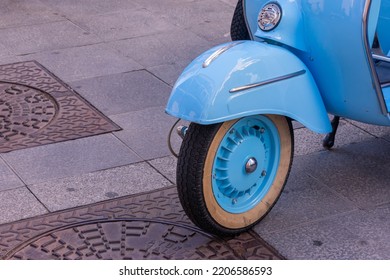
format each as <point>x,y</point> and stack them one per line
<point>123,56</point>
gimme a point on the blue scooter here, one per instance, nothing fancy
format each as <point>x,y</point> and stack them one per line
<point>289,60</point>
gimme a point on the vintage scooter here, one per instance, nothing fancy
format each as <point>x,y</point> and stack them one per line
<point>291,60</point>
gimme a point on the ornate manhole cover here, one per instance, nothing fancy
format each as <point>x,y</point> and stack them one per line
<point>147,226</point>
<point>126,240</point>
<point>37,108</point>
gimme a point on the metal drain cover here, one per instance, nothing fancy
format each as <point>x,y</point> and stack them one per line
<point>147,226</point>
<point>37,108</point>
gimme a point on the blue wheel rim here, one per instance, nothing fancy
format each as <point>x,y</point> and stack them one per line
<point>245,164</point>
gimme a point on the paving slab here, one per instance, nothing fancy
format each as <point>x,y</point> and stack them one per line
<point>8,178</point>
<point>307,141</point>
<point>377,131</point>
<point>25,12</point>
<point>124,24</point>
<point>125,92</point>
<point>18,204</point>
<point>4,52</point>
<point>69,158</point>
<point>359,172</point>
<point>155,6</point>
<point>98,186</point>
<point>208,19</point>
<point>146,132</point>
<point>78,63</point>
<point>232,3</point>
<point>76,8</point>
<point>325,240</point>
<point>357,235</point>
<point>7,59</point>
<point>306,225</point>
<point>44,37</point>
<point>166,166</point>
<point>163,48</point>
<point>211,21</point>
<point>304,200</point>
<point>169,73</point>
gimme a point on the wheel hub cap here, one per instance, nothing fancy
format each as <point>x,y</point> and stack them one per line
<point>251,165</point>
<point>245,164</point>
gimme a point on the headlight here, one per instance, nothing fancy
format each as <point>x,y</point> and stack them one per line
<point>270,16</point>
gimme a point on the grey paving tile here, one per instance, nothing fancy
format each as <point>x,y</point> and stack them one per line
<point>207,19</point>
<point>231,3</point>
<point>377,131</point>
<point>308,223</point>
<point>10,59</point>
<point>69,158</point>
<point>4,52</point>
<point>297,125</point>
<point>98,186</point>
<point>74,8</point>
<point>25,12</point>
<point>126,92</point>
<point>326,240</point>
<point>156,5</point>
<point>303,200</point>
<point>79,63</point>
<point>147,51</point>
<point>217,33</point>
<point>146,132</point>
<point>19,204</point>
<point>163,48</point>
<point>307,142</point>
<point>42,37</point>
<point>124,24</point>
<point>166,166</point>
<point>8,178</point>
<point>169,73</point>
<point>359,172</point>
<point>189,13</point>
<point>361,234</point>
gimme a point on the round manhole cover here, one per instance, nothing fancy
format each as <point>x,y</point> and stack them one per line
<point>129,239</point>
<point>24,111</point>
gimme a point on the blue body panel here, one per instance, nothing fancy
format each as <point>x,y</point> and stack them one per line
<point>329,40</point>
<point>202,94</point>
<point>333,49</point>
<point>291,30</point>
<point>338,59</point>
<point>383,28</point>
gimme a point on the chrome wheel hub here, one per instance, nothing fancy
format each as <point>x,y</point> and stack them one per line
<point>251,165</point>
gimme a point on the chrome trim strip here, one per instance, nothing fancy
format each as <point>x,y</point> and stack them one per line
<point>385,84</point>
<point>267,82</point>
<point>381,57</point>
<point>218,52</point>
<point>246,19</point>
<point>374,76</point>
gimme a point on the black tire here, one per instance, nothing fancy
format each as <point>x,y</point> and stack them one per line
<point>238,28</point>
<point>193,171</point>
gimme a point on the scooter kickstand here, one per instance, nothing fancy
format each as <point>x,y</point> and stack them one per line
<point>329,139</point>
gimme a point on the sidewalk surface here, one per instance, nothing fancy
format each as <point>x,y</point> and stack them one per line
<point>123,56</point>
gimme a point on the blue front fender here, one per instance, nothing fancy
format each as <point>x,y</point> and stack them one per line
<point>246,78</point>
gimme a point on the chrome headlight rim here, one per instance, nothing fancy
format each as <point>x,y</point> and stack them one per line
<point>269,16</point>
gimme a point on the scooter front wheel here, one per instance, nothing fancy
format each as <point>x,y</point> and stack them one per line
<point>229,175</point>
